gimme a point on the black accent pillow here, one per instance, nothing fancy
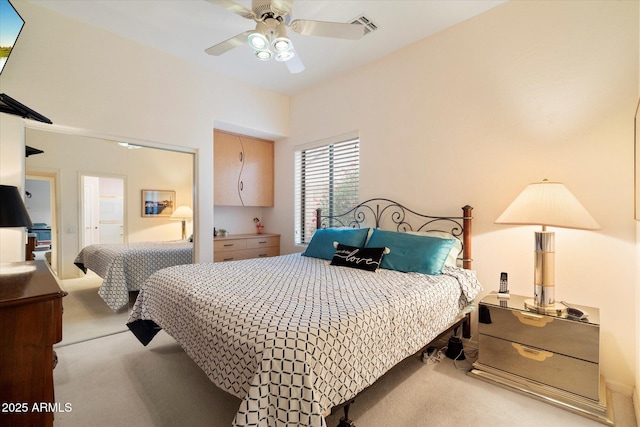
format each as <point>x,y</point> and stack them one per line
<point>355,257</point>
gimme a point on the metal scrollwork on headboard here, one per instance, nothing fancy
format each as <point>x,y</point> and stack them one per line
<point>388,214</point>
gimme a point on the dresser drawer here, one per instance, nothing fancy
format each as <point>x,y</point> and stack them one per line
<point>263,242</point>
<point>246,254</point>
<point>566,373</point>
<point>229,244</point>
<point>558,335</point>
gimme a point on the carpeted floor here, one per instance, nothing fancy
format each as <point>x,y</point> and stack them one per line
<point>114,380</point>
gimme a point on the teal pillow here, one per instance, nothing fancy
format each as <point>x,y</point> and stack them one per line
<point>321,244</point>
<point>421,254</point>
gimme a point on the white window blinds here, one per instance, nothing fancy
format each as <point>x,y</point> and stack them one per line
<point>327,177</point>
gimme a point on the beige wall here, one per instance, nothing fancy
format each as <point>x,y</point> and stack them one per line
<point>526,91</point>
<point>91,80</point>
<point>12,248</point>
<point>636,396</point>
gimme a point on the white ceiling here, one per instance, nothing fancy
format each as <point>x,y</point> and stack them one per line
<point>185,28</point>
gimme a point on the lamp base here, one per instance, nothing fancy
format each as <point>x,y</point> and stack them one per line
<point>555,308</point>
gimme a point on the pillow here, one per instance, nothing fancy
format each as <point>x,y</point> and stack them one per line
<point>421,254</point>
<point>357,257</point>
<point>456,250</point>
<point>321,244</point>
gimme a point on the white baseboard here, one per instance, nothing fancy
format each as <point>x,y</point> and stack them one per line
<point>623,389</point>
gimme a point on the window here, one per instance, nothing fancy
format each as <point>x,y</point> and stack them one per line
<point>328,177</point>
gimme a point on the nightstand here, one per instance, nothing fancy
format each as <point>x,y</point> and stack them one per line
<point>545,355</point>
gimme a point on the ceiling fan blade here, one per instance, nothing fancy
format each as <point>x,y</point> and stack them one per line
<point>295,65</point>
<point>281,7</point>
<point>234,7</point>
<point>327,29</point>
<point>228,44</point>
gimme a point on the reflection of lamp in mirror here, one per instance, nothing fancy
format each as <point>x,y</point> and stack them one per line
<point>547,204</point>
<point>13,213</point>
<point>184,214</point>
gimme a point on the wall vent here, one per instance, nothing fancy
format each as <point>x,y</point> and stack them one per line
<point>368,25</point>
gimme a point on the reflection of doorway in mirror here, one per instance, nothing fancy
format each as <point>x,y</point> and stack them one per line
<point>40,199</point>
<point>102,210</point>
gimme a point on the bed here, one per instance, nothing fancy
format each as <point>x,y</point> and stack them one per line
<point>125,266</point>
<point>296,335</point>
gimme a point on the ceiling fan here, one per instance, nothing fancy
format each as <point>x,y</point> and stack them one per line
<point>269,38</point>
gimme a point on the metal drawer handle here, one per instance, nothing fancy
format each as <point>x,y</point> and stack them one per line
<point>227,245</point>
<point>262,242</point>
<point>532,353</point>
<point>228,259</point>
<point>532,319</point>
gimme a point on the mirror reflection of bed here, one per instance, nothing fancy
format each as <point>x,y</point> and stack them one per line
<point>58,175</point>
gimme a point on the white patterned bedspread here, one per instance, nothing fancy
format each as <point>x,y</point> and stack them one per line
<point>125,266</point>
<point>293,336</point>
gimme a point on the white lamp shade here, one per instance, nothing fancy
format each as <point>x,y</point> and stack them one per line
<point>548,204</point>
<point>182,213</point>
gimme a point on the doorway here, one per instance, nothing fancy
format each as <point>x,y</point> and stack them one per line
<point>40,188</point>
<point>103,205</point>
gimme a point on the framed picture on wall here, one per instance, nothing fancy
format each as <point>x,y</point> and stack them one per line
<point>158,203</point>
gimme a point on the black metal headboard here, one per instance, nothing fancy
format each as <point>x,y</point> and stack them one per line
<point>388,214</point>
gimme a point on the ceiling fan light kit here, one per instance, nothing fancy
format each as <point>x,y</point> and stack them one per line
<point>263,55</point>
<point>258,39</point>
<point>272,17</point>
<point>285,56</point>
<point>270,33</point>
<point>282,44</point>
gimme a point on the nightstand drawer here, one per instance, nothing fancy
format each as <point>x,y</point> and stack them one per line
<point>569,337</point>
<point>229,244</point>
<point>566,373</point>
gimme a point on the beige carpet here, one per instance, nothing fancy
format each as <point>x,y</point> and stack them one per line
<point>86,315</point>
<point>114,380</point>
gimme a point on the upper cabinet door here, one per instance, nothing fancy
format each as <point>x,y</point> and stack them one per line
<point>257,174</point>
<point>243,170</point>
<point>227,165</point>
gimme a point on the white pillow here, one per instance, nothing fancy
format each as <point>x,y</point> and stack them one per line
<point>456,250</point>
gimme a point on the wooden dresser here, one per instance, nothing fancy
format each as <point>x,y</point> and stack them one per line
<point>30,323</point>
<point>245,246</point>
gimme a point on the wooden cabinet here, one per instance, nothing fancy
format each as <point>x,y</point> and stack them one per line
<point>30,323</point>
<point>547,355</point>
<point>245,246</point>
<point>243,170</point>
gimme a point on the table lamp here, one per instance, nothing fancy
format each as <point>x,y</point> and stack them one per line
<point>184,214</point>
<point>13,213</point>
<point>547,204</point>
